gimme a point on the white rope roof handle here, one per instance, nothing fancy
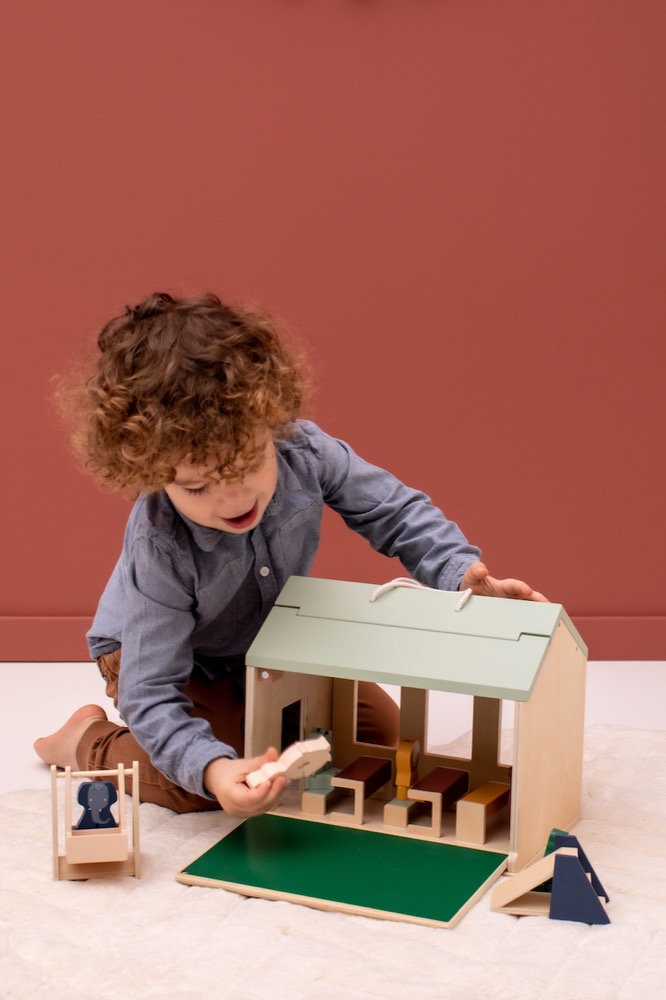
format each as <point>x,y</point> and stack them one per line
<point>464,598</point>
<point>407,582</point>
<point>400,581</point>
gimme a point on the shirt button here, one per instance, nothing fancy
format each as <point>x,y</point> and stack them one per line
<point>264,571</point>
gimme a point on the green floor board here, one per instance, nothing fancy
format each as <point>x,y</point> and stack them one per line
<point>348,867</point>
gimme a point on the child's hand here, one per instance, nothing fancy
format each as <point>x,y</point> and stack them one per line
<point>478,579</point>
<point>225,779</point>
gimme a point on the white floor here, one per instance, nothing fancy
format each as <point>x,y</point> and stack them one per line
<point>39,697</point>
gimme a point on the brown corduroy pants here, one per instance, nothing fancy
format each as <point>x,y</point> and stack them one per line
<point>105,745</point>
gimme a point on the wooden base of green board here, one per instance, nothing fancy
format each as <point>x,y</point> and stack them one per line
<point>348,869</point>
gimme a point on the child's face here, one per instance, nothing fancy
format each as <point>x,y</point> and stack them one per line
<point>235,507</point>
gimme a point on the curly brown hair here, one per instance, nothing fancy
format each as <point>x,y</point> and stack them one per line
<point>181,378</point>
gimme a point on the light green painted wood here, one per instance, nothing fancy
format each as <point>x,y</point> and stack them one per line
<point>393,654</point>
<point>347,869</point>
<point>423,609</point>
<point>414,638</point>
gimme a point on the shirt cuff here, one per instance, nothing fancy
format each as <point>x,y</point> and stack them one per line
<point>197,758</point>
<point>454,572</point>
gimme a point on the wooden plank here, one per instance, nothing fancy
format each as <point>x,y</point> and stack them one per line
<point>475,811</point>
<point>363,777</point>
<point>95,868</point>
<point>442,788</point>
<point>486,736</point>
<point>423,609</point>
<point>267,696</point>
<point>506,895</point>
<point>347,869</point>
<point>548,752</point>
<point>477,665</point>
<point>373,772</point>
<point>413,713</point>
<point>449,782</point>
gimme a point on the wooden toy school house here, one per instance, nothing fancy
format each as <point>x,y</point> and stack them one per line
<point>323,637</point>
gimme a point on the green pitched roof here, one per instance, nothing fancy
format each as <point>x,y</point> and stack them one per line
<point>413,638</point>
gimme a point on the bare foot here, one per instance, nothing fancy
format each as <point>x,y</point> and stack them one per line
<point>60,747</point>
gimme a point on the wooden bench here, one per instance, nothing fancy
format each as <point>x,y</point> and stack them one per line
<point>440,788</point>
<point>363,778</point>
<point>318,792</point>
<point>476,810</point>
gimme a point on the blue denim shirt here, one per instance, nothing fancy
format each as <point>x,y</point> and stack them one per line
<point>182,594</point>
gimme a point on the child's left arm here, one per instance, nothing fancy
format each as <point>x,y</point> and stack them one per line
<point>478,579</point>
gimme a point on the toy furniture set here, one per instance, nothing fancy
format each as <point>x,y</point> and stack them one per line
<point>408,832</point>
<point>99,844</point>
<point>562,885</point>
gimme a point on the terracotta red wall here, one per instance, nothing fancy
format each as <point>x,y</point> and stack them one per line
<point>460,208</point>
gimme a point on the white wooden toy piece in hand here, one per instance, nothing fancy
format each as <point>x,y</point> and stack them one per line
<point>297,761</point>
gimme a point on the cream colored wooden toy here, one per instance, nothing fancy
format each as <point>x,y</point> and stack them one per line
<point>562,885</point>
<point>301,759</point>
<point>98,844</point>
<point>519,659</point>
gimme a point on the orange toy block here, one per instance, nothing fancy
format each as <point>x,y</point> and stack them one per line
<point>406,766</point>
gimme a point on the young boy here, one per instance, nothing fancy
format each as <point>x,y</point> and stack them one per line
<point>194,406</point>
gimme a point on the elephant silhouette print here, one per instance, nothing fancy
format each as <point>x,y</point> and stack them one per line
<point>96,797</point>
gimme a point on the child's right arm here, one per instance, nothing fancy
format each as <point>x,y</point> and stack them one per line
<point>225,779</point>
<point>150,606</point>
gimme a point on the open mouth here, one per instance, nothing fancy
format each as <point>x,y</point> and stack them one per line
<point>245,520</point>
